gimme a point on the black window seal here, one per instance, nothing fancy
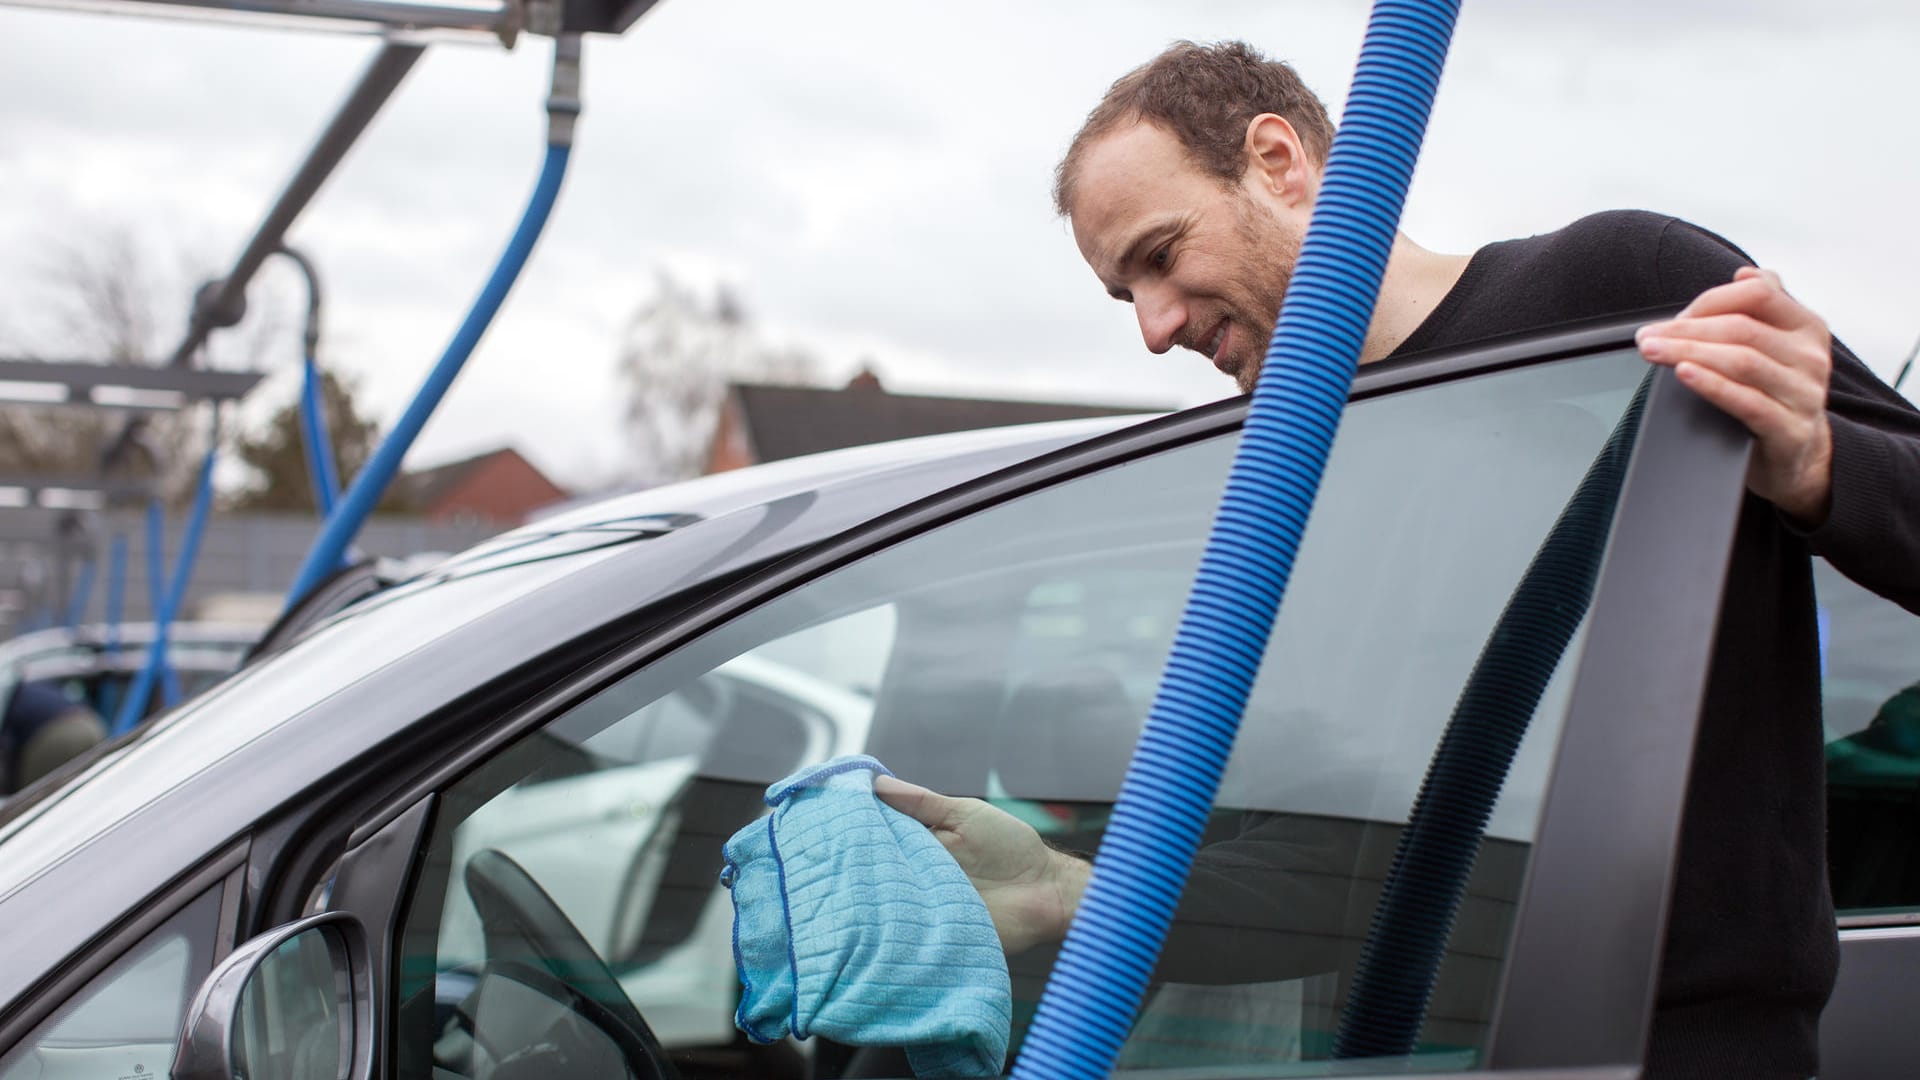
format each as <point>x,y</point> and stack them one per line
<point>1583,964</point>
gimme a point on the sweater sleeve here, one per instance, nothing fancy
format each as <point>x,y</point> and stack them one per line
<point>1872,531</point>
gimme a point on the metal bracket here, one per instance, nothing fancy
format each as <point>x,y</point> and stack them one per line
<point>134,387</point>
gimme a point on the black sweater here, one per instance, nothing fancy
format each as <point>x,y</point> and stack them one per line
<point>1751,952</point>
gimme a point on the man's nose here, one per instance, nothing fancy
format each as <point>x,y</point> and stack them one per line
<point>1162,318</point>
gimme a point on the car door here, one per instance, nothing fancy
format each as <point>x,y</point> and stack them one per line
<point>1003,643</point>
<point>1870,672</point>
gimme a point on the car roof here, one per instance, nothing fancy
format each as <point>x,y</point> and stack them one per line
<point>674,508</point>
<point>718,492</point>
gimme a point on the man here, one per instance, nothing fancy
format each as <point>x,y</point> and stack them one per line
<point>1189,190</point>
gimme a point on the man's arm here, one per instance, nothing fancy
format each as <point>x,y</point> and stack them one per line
<point>1272,903</point>
<point>1031,889</point>
<point>1872,531</point>
<point>1835,450</point>
<point>1763,358</point>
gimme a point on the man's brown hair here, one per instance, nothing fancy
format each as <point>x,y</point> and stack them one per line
<point>1204,95</point>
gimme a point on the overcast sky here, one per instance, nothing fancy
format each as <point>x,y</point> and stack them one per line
<point>872,177</point>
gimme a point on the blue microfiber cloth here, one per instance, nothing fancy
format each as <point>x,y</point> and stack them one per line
<point>851,921</point>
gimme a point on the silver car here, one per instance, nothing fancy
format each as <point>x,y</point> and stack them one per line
<point>470,826</point>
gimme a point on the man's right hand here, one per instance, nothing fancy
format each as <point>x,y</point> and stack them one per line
<point>1030,889</point>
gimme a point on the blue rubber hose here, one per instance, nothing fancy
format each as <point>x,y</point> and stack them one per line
<point>330,549</point>
<point>1148,848</point>
<point>156,574</point>
<point>319,443</point>
<point>135,705</point>
<point>1400,959</point>
<point>343,524</point>
<point>314,434</point>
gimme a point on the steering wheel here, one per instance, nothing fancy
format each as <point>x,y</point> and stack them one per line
<point>524,926</point>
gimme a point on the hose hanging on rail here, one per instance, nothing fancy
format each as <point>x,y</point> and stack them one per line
<point>1148,848</point>
<point>314,433</point>
<point>1400,959</point>
<point>168,600</point>
<point>330,548</point>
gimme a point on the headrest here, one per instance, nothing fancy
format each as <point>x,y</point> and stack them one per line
<point>1066,736</point>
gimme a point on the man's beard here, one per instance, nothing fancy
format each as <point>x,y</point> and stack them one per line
<point>1273,251</point>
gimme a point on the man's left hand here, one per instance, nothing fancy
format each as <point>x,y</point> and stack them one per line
<point>1762,357</point>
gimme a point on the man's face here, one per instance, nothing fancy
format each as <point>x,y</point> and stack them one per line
<point>1204,263</point>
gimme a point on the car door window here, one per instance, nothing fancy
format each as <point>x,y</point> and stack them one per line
<point>1870,704</point>
<point>1011,655</point>
<point>124,1022</point>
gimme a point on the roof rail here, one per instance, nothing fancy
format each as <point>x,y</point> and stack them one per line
<point>501,19</point>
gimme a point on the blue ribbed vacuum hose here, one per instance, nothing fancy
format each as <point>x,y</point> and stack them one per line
<point>1148,848</point>
<point>1400,960</point>
<point>330,548</point>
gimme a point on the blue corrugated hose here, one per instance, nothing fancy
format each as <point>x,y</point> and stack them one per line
<point>1144,857</point>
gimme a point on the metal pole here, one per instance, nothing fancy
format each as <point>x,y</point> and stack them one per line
<point>223,303</point>
<point>354,14</point>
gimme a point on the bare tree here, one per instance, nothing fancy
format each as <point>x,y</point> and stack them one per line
<point>104,297</point>
<point>679,352</point>
<point>276,454</point>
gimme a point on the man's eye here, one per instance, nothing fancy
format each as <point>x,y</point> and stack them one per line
<point>1161,258</point>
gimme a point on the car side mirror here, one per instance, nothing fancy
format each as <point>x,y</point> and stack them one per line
<point>285,1006</point>
<point>296,1003</point>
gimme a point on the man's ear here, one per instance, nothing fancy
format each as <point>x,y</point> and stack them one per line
<point>1278,164</point>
